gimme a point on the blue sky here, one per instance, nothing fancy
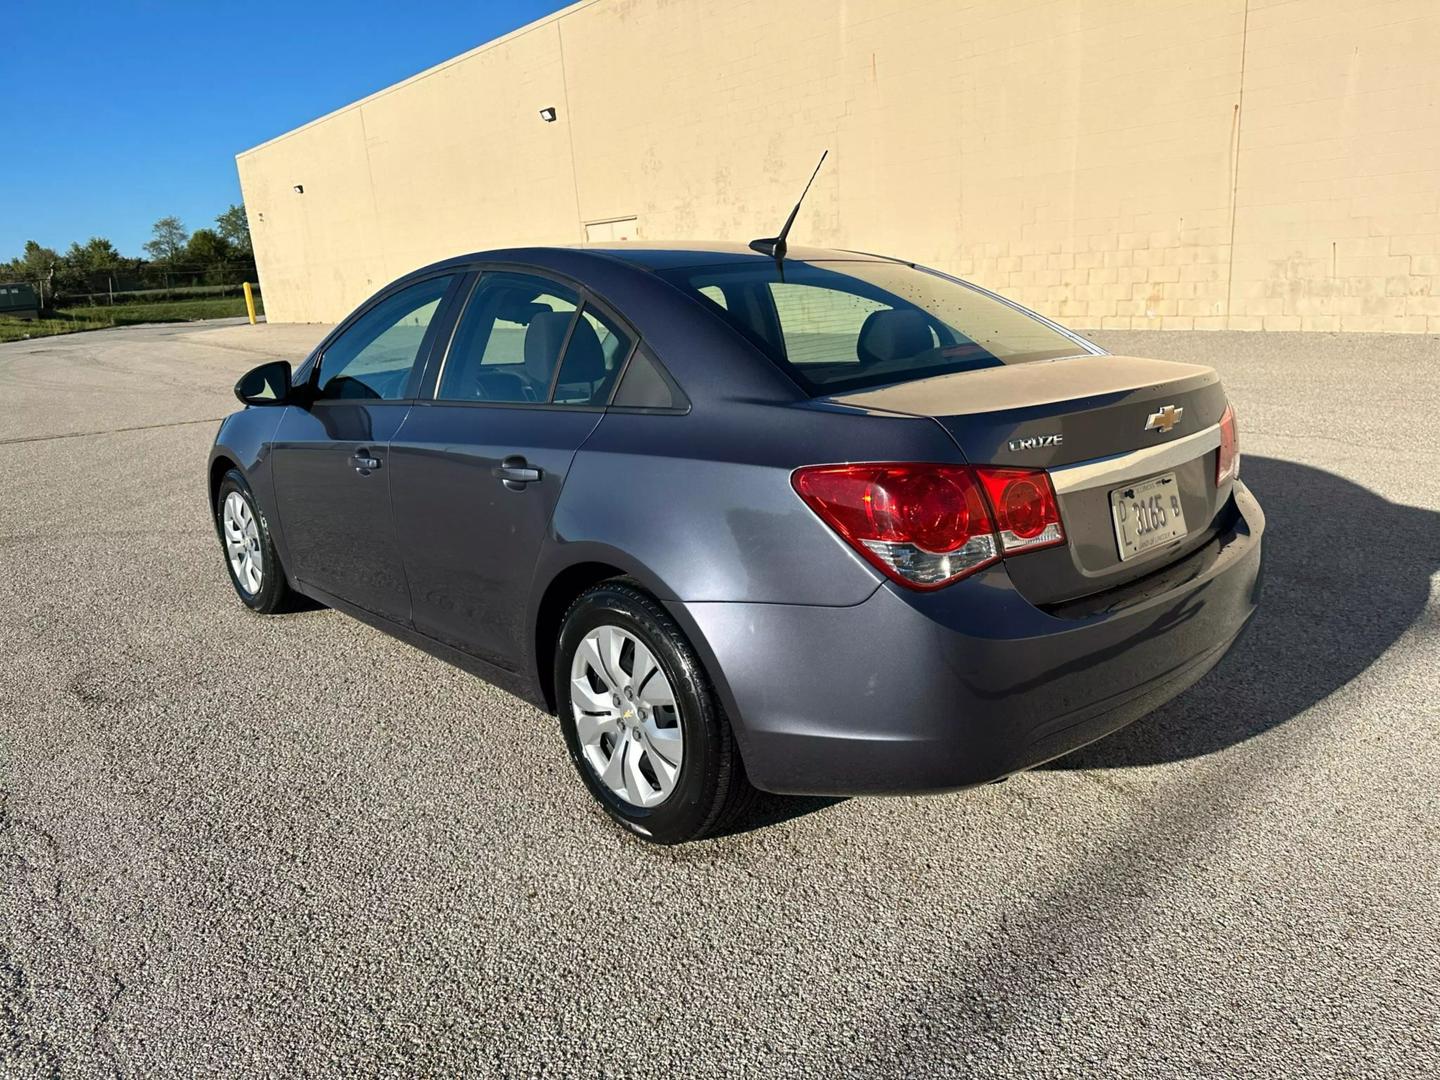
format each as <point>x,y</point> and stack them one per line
<point>118,113</point>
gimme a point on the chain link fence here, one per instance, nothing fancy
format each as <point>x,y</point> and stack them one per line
<point>149,283</point>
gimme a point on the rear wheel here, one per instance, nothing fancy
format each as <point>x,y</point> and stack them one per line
<point>641,720</point>
<point>249,551</point>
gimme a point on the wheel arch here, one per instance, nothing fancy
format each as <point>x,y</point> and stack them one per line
<point>563,583</point>
<point>220,463</point>
<point>562,591</point>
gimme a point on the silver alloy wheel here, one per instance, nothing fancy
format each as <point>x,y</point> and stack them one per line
<point>625,716</point>
<point>242,542</point>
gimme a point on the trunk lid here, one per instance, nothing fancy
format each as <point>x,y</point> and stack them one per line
<point>1087,420</point>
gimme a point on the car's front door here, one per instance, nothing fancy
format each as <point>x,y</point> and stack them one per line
<point>332,476</point>
<point>476,470</point>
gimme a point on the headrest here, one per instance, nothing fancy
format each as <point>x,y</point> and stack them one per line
<point>544,338</point>
<point>890,335</point>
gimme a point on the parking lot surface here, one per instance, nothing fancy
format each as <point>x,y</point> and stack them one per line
<point>232,845</point>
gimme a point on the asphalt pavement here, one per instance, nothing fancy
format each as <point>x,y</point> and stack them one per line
<point>236,846</point>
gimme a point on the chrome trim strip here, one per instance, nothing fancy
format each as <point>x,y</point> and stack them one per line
<point>1135,464</point>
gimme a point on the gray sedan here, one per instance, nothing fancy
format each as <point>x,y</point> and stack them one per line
<point>829,523</point>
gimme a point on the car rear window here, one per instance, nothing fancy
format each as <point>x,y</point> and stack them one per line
<point>837,326</point>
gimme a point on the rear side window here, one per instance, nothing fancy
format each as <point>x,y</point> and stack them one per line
<point>837,326</point>
<point>594,355</point>
<point>374,356</point>
<point>509,340</point>
<point>524,338</point>
<point>645,385</point>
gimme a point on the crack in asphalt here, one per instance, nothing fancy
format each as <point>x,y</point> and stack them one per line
<point>109,431</point>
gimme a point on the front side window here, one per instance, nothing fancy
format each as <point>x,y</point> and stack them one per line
<point>374,356</point>
<point>848,325</point>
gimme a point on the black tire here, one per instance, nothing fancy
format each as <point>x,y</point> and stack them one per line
<point>711,791</point>
<point>274,594</point>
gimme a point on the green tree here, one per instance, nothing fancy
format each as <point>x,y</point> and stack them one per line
<point>168,241</point>
<point>94,255</point>
<point>234,226</point>
<point>208,248</point>
<point>88,267</point>
<point>39,261</point>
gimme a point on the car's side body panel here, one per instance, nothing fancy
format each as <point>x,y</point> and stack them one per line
<point>339,534</point>
<point>470,540</point>
<point>244,442</point>
<point>705,502</point>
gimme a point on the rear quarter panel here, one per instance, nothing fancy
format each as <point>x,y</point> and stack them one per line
<point>702,503</point>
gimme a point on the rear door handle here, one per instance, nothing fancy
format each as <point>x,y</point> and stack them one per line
<point>364,463</point>
<point>515,472</point>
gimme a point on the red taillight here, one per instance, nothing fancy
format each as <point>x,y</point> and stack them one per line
<point>1026,513</point>
<point>1227,468</point>
<point>927,525</point>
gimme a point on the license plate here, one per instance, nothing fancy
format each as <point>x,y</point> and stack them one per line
<point>1147,515</point>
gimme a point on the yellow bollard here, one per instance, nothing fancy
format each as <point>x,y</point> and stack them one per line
<point>249,301</point>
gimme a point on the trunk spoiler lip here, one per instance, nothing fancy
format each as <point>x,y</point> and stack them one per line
<point>1119,468</point>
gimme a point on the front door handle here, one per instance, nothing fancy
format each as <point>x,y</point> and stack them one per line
<point>515,472</point>
<point>364,463</point>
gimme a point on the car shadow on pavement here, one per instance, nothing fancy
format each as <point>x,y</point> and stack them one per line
<point>1346,574</point>
<point>771,809</point>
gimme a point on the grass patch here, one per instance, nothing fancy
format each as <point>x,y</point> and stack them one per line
<point>71,320</point>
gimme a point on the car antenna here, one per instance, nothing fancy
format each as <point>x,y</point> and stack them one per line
<point>774,246</point>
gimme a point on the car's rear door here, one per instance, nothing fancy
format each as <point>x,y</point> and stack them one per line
<point>331,468</point>
<point>478,464</point>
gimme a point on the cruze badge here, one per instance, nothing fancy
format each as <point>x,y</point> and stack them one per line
<point>1165,419</point>
<point>1037,442</point>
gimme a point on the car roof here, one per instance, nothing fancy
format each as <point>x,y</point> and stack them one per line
<point>659,255</point>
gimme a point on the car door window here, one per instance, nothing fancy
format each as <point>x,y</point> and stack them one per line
<point>593,358</point>
<point>372,359</point>
<point>509,340</point>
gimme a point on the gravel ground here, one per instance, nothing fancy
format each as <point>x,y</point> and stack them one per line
<point>232,845</point>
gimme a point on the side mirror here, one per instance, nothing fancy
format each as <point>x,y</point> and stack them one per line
<point>268,384</point>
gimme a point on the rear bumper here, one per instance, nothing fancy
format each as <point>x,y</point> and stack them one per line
<point>911,692</point>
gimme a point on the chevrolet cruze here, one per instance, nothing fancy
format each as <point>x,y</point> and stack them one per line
<point>820,523</point>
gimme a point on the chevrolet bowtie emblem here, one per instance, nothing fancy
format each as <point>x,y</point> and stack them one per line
<point>1165,419</point>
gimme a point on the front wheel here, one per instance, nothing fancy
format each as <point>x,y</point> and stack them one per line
<point>641,720</point>
<point>249,551</point>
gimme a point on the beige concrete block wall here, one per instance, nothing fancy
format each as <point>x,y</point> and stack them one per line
<point>1120,163</point>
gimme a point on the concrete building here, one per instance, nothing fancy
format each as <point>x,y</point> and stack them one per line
<point>1242,164</point>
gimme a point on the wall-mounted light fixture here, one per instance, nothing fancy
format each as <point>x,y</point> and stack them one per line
<point>548,114</point>
<point>299,189</point>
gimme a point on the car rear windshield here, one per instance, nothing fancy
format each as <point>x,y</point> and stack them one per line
<point>836,326</point>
